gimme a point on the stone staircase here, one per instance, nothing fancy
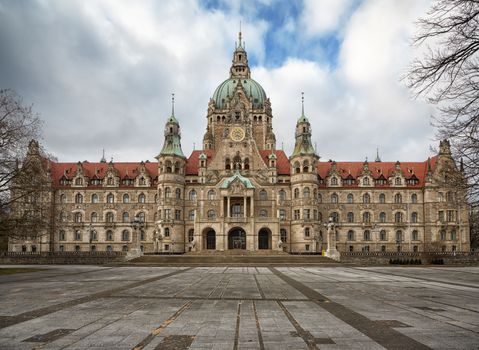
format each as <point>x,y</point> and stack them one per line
<point>233,258</point>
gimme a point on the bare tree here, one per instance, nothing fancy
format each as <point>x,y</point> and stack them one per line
<point>447,75</point>
<point>18,125</point>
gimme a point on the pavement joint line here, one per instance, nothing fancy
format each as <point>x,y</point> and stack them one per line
<point>304,334</point>
<point>237,328</point>
<point>155,332</point>
<point>26,316</point>
<point>223,277</point>
<point>259,287</point>
<point>381,334</point>
<point>37,277</point>
<point>258,327</point>
<point>418,278</point>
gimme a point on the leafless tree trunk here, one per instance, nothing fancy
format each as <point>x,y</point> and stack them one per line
<point>447,75</point>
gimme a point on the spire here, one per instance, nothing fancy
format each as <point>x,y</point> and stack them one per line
<point>103,159</point>
<point>240,69</point>
<point>173,104</point>
<point>172,144</point>
<point>378,159</point>
<point>302,104</point>
<point>239,36</point>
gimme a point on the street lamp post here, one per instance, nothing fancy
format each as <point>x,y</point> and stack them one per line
<point>91,237</point>
<point>332,252</point>
<point>137,225</point>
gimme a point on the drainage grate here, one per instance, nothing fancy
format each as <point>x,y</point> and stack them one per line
<point>175,342</point>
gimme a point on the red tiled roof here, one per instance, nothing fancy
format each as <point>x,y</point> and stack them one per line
<point>98,170</point>
<point>409,169</point>
<point>282,161</point>
<point>192,162</point>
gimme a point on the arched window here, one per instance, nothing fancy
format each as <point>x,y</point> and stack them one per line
<point>282,195</point>
<point>126,217</point>
<point>110,198</point>
<point>382,235</point>
<point>366,198</point>
<point>367,235</point>
<point>305,166</point>
<point>191,235</point>
<point>335,216</point>
<point>315,193</point>
<point>125,235</point>
<point>228,164</point>
<point>192,195</point>
<point>167,192</point>
<point>78,198</point>
<point>62,236</point>
<point>77,235</point>
<point>94,198</point>
<point>414,217</point>
<point>350,235</point>
<point>142,181</point>
<point>110,181</point>
<point>397,198</point>
<point>320,198</point>
<point>168,167</point>
<point>109,217</point>
<point>78,181</point>
<point>141,216</point>
<point>263,213</point>
<point>398,181</point>
<point>415,235</point>
<point>350,198</point>
<point>211,195</point>
<point>399,237</point>
<point>414,198</point>
<point>297,168</point>
<point>246,164</point>
<point>334,198</point>
<point>398,217</point>
<point>382,198</point>
<point>178,193</point>
<point>191,214</point>
<point>442,235</point>
<point>366,181</point>
<point>211,215</point>
<point>94,217</point>
<point>142,198</point>
<point>334,181</point>
<point>296,193</point>
<point>306,192</point>
<point>63,198</point>
<point>382,217</point>
<point>126,198</point>
<point>78,217</point>
<point>350,217</point>
<point>366,217</point>
<point>263,195</point>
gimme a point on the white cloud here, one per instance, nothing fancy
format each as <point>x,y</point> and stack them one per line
<point>320,17</point>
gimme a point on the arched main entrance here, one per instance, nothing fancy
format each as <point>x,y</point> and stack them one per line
<point>209,239</point>
<point>264,239</point>
<point>237,239</point>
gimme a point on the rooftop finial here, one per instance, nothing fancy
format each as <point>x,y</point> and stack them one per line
<point>173,104</point>
<point>239,35</point>
<point>103,159</point>
<point>378,159</point>
<point>302,103</point>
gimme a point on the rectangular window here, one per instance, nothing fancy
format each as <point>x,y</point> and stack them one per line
<point>306,247</point>
<point>167,214</point>
<point>306,214</point>
<point>296,214</point>
<point>177,214</point>
<point>451,215</point>
<point>167,247</point>
<point>282,214</point>
<point>441,216</point>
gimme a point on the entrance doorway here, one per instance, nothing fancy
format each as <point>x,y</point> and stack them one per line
<point>264,241</point>
<point>237,239</point>
<point>211,239</point>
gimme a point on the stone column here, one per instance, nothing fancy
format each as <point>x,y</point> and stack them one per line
<point>228,210</point>
<point>244,206</point>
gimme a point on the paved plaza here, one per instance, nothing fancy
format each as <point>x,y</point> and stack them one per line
<point>99,307</point>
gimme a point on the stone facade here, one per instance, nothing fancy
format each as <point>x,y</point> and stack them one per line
<point>240,192</point>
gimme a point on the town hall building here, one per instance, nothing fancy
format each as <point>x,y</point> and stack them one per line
<point>241,192</point>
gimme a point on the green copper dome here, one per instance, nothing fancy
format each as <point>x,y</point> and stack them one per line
<point>251,88</point>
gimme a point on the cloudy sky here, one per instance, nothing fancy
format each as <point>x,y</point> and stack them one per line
<point>101,72</point>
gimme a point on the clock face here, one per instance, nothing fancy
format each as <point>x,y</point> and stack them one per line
<point>237,134</point>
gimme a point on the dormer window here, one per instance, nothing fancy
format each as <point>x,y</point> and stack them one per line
<point>334,181</point>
